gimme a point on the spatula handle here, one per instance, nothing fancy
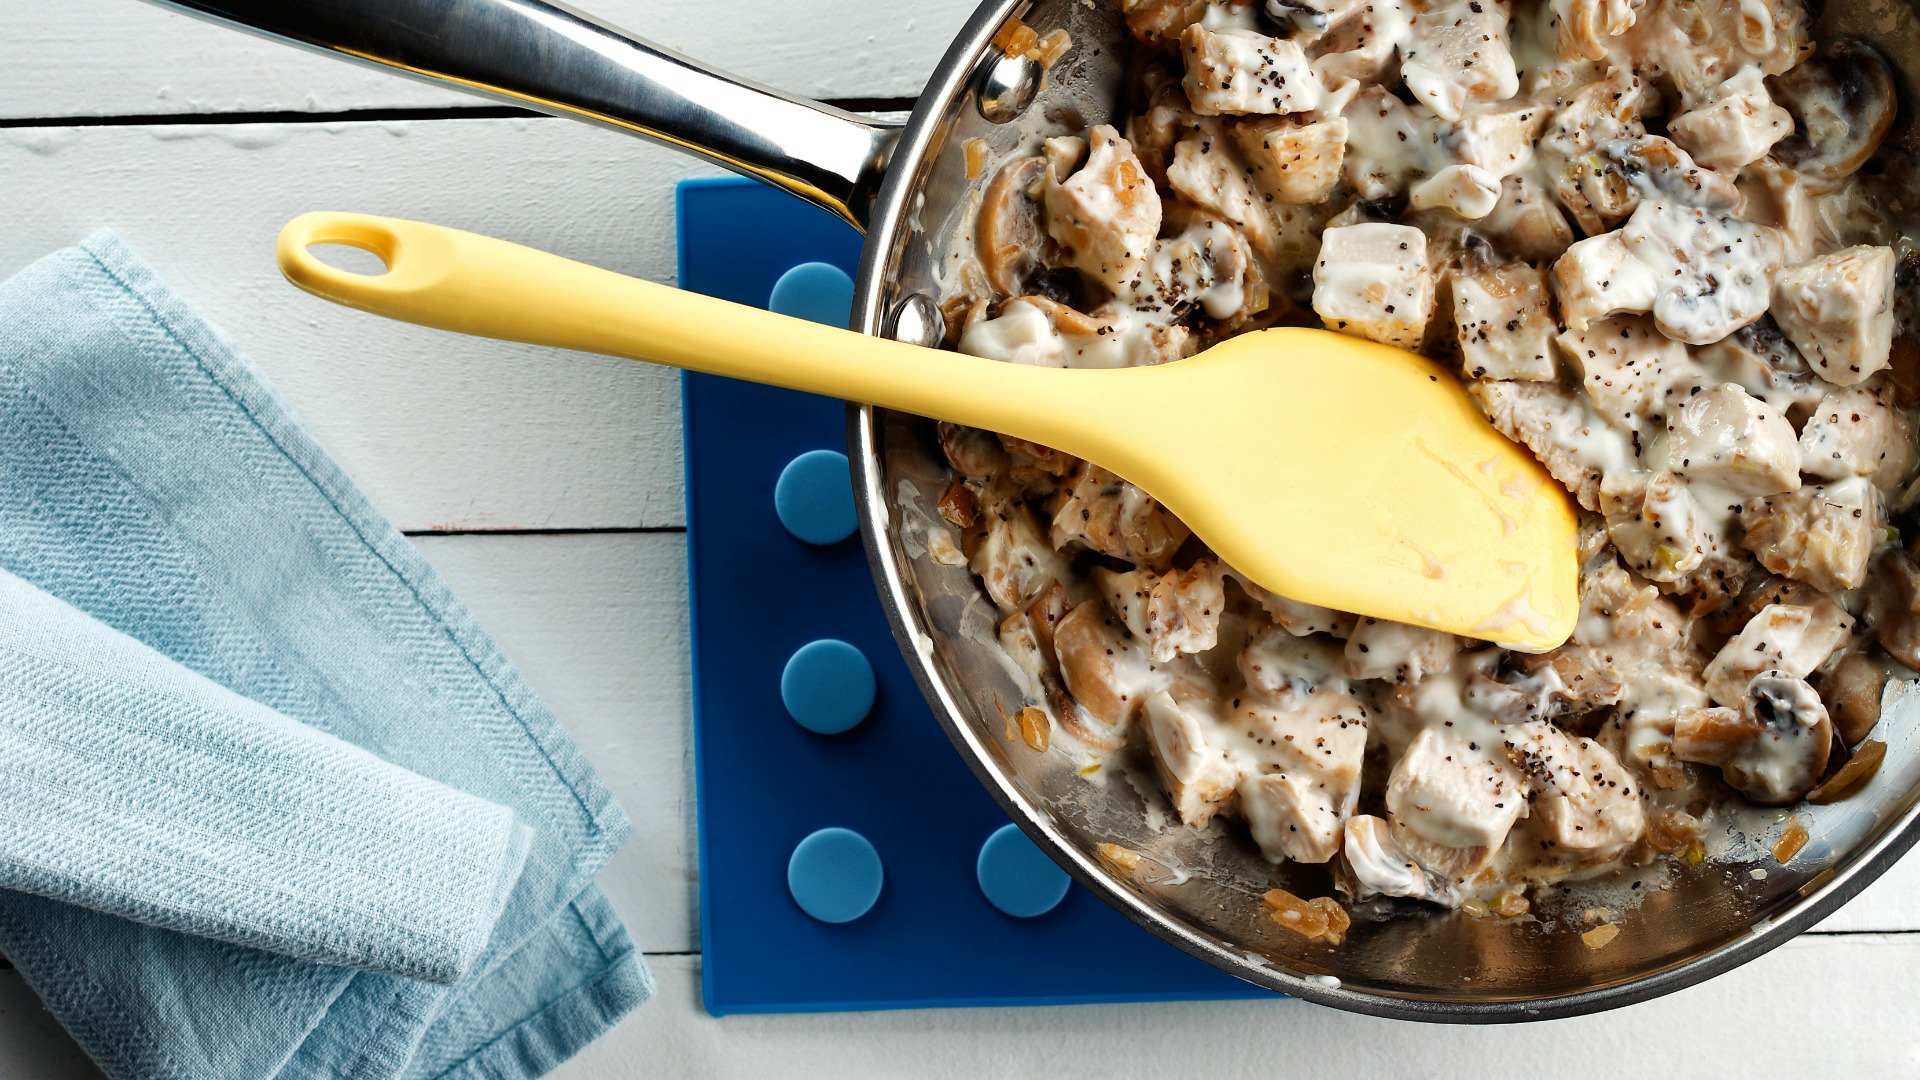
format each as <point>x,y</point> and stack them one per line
<point>472,284</point>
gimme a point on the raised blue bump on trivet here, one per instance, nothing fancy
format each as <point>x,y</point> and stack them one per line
<point>814,498</point>
<point>835,875</point>
<point>827,686</point>
<point>1017,877</point>
<point>821,292</point>
<point>764,783</point>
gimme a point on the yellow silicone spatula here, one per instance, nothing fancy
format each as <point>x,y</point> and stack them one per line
<point>1331,470</point>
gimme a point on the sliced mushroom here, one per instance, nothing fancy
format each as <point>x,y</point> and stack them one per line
<point>1843,104</point>
<point>1852,691</point>
<point>971,451</point>
<point>1011,235</point>
<point>1773,750</point>
<point>1585,27</point>
<point>1893,607</point>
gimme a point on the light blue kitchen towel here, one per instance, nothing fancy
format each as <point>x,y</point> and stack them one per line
<point>150,478</point>
<point>134,786</point>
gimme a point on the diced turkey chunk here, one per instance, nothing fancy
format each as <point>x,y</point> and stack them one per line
<point>1577,447</point>
<point>1468,191</point>
<point>1580,796</point>
<point>1293,616</point>
<point>1794,638</point>
<point>1207,174</point>
<point>1626,365</point>
<point>1381,867</point>
<point>1822,534</point>
<point>1205,267</point>
<point>1456,53</point>
<point>1236,72</point>
<point>1113,517</point>
<point>1455,791</point>
<point>1702,274</point>
<point>1598,276</point>
<point>1496,137</point>
<point>1302,778</point>
<point>1737,127</point>
<point>1727,437</point>
<point>1294,739</point>
<point>1198,774</point>
<point>1657,525</point>
<point>1012,556</point>
<point>1175,613</point>
<point>1854,433</point>
<point>1773,749</point>
<point>1526,223</point>
<point>1380,130</point>
<point>1504,324</point>
<point>1363,44</point>
<point>1838,308</point>
<point>1282,666</point>
<point>1108,673</point>
<point>1594,189</point>
<point>1372,281</point>
<point>1381,649</point>
<point>1292,162</point>
<point>1104,217</point>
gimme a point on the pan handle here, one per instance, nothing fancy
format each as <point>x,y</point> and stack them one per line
<point>548,57</point>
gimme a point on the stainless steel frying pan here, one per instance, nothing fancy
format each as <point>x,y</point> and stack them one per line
<point>909,188</point>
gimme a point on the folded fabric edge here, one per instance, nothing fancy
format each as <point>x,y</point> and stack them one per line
<point>183,780</point>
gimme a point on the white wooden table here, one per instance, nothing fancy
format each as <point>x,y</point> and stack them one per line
<point>547,489</point>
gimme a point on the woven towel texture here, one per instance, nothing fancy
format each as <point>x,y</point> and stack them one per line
<point>151,479</point>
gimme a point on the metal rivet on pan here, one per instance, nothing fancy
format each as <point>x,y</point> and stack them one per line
<point>917,321</point>
<point>1006,86</point>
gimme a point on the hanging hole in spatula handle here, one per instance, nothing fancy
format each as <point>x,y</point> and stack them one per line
<point>415,258</point>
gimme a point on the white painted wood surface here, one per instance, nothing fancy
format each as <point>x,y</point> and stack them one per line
<point>72,58</point>
<point>453,435</point>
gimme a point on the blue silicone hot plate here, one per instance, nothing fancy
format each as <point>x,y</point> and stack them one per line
<point>848,858</point>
